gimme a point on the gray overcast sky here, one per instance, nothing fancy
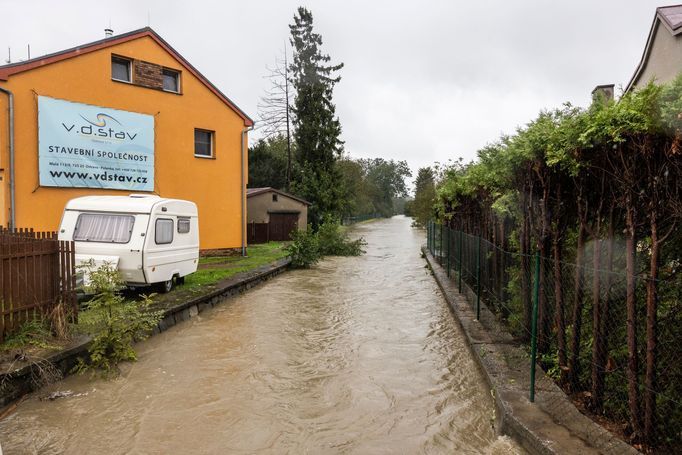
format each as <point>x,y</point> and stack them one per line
<point>423,82</point>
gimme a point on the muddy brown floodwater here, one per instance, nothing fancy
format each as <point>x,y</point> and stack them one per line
<point>358,355</point>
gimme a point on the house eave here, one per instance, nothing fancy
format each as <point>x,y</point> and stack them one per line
<point>15,68</point>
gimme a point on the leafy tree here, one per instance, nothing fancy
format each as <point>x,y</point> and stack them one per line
<point>356,192</point>
<point>386,181</point>
<point>373,186</point>
<point>317,129</point>
<point>268,163</point>
<point>424,196</point>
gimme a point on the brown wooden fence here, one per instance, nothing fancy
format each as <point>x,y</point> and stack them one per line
<point>257,233</point>
<point>279,229</point>
<point>36,272</point>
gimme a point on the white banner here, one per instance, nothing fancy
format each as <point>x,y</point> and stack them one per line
<point>84,146</point>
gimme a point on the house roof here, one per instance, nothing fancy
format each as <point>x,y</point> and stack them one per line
<point>256,191</point>
<point>672,15</point>
<point>8,70</point>
<point>671,18</point>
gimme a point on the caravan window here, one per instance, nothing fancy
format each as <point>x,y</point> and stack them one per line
<point>102,227</point>
<point>164,231</point>
<point>183,225</point>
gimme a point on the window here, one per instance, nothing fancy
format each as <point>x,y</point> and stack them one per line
<point>203,143</point>
<point>164,231</point>
<point>274,198</point>
<point>105,228</point>
<point>183,225</point>
<point>171,80</point>
<point>120,69</point>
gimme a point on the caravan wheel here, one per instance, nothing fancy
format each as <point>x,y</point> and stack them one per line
<point>165,286</point>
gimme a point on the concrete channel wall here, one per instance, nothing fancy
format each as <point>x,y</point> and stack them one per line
<point>550,425</point>
<point>30,377</point>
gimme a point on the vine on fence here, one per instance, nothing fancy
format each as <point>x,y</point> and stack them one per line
<point>598,193</point>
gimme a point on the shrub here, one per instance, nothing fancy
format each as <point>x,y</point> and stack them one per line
<point>308,247</point>
<point>116,323</point>
<point>304,249</point>
<point>333,241</point>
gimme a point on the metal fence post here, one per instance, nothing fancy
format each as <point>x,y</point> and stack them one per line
<point>478,280</point>
<point>440,254</point>
<point>459,253</point>
<point>448,249</point>
<point>534,327</point>
<point>428,235</point>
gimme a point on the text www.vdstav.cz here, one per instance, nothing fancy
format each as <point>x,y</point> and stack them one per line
<point>103,177</point>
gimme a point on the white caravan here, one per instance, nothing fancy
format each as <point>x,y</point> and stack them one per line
<point>152,240</point>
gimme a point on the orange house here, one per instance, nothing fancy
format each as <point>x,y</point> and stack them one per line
<point>126,114</point>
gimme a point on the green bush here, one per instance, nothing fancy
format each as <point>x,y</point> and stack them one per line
<point>115,323</point>
<point>304,248</point>
<point>333,241</point>
<point>308,247</point>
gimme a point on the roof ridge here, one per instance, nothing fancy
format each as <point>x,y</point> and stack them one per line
<point>661,12</point>
<point>27,65</point>
<point>75,48</point>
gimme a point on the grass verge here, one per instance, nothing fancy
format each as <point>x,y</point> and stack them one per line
<point>212,270</point>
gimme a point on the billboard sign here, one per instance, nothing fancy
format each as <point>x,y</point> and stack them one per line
<point>85,146</point>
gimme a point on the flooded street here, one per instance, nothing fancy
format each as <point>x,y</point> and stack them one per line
<point>359,355</point>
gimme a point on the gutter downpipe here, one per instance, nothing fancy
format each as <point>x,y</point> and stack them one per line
<point>10,134</point>
<point>243,190</point>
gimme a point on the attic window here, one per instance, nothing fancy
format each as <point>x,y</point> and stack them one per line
<point>171,80</point>
<point>120,69</point>
<point>274,198</point>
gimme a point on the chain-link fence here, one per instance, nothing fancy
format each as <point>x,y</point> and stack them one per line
<point>346,221</point>
<point>593,337</point>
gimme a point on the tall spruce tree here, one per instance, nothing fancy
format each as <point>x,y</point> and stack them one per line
<point>317,129</point>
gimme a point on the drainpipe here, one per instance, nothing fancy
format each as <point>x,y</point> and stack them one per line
<point>12,207</point>
<point>243,190</point>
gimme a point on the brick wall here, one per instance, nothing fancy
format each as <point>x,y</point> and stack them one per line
<point>147,74</point>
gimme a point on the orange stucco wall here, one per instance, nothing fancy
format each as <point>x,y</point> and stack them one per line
<point>213,184</point>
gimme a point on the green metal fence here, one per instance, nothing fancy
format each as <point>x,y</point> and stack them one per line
<point>359,218</point>
<point>573,320</point>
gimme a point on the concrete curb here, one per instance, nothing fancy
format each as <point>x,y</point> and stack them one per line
<point>551,425</point>
<point>21,381</point>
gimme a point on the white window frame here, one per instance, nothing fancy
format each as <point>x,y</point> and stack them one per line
<point>80,237</point>
<point>177,79</point>
<point>211,135</point>
<point>130,69</point>
<point>156,229</point>
<point>183,220</point>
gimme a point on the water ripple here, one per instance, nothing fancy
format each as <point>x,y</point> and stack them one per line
<point>356,356</point>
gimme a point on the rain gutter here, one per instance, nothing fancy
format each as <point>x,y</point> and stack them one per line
<point>12,206</point>
<point>243,190</point>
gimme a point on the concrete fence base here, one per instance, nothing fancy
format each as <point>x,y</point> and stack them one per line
<point>550,425</point>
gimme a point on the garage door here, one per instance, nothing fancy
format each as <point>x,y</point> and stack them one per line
<point>282,224</point>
